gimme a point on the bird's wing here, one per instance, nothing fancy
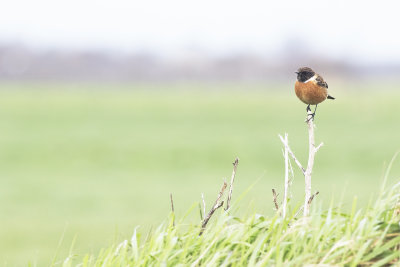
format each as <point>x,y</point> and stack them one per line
<point>321,82</point>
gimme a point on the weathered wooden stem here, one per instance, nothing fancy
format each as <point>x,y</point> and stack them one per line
<point>218,204</point>
<point>285,194</point>
<point>312,150</point>
<point>228,201</point>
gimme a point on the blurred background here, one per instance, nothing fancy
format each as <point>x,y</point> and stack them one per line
<point>108,107</point>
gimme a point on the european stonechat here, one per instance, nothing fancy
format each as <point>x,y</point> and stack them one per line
<point>311,88</point>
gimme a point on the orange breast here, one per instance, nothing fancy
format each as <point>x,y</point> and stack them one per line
<point>310,93</point>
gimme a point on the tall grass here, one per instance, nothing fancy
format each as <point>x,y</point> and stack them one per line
<point>368,236</point>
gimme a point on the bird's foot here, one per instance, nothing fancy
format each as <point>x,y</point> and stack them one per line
<point>310,116</point>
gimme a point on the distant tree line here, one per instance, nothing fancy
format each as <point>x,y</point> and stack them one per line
<point>22,63</point>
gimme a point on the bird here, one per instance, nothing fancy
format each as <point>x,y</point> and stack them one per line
<point>311,88</point>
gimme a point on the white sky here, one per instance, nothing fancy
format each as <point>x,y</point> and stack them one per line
<point>366,30</point>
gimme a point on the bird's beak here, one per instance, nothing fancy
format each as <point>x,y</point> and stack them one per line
<point>296,72</point>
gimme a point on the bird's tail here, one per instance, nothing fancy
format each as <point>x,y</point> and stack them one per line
<point>330,97</point>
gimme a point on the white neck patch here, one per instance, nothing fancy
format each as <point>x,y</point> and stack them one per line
<point>313,78</point>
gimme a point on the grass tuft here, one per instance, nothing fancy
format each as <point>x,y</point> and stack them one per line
<point>365,237</point>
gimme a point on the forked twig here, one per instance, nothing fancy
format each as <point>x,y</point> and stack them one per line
<point>217,205</point>
<point>292,155</point>
<point>312,150</point>
<point>228,201</point>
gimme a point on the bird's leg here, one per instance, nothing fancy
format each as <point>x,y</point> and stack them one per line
<point>308,108</point>
<point>315,109</point>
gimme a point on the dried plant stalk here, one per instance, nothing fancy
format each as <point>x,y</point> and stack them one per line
<point>285,193</point>
<point>274,199</point>
<point>218,204</point>
<point>228,201</point>
<point>312,150</point>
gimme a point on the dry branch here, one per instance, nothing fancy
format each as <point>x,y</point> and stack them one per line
<point>311,155</point>
<point>318,147</point>
<point>292,154</point>
<point>228,201</point>
<point>285,193</point>
<point>217,205</point>
<point>311,199</point>
<point>274,199</point>
<point>312,150</point>
<point>308,203</point>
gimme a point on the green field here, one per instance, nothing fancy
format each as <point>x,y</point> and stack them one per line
<point>94,162</point>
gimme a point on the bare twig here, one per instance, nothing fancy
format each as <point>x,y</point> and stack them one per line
<point>172,208</point>
<point>319,146</point>
<point>274,199</point>
<point>291,177</point>
<point>228,201</point>
<point>311,155</point>
<point>285,194</point>
<point>312,197</point>
<point>292,155</point>
<point>291,172</point>
<point>308,203</point>
<point>217,205</point>
<point>221,192</point>
<point>312,150</point>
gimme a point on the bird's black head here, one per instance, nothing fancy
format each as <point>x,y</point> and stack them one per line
<point>304,73</point>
